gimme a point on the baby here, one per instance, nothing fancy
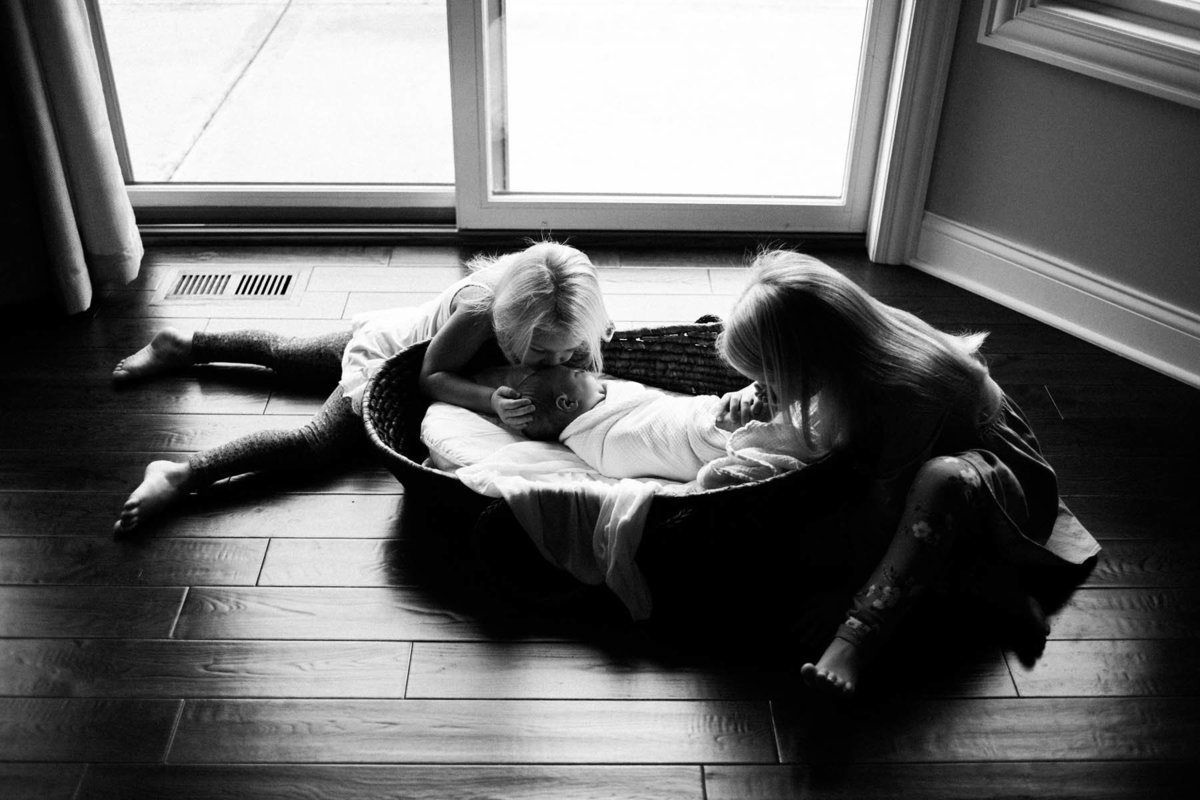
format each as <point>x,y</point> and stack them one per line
<point>628,430</point>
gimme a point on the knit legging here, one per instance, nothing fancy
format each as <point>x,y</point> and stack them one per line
<point>334,431</point>
<point>944,506</point>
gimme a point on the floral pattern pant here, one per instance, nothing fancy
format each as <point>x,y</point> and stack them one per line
<point>943,502</point>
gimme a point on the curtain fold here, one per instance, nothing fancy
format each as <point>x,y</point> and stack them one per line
<point>86,218</point>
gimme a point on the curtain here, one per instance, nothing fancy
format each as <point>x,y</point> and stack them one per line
<point>86,220</point>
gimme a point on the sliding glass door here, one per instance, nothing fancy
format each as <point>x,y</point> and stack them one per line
<point>757,115</point>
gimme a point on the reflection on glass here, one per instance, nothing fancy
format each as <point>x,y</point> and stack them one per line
<point>283,91</point>
<point>691,97</point>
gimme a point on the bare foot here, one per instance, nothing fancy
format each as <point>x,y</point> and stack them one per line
<point>163,483</point>
<point>168,350</point>
<point>836,672</point>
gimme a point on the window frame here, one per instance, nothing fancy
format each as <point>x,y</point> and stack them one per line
<point>1152,46</point>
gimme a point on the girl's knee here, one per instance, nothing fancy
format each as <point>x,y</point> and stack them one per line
<point>947,476</point>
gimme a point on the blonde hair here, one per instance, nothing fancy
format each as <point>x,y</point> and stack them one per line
<point>547,287</point>
<point>803,329</point>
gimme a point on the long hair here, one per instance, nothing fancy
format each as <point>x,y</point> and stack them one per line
<point>547,286</point>
<point>806,331</point>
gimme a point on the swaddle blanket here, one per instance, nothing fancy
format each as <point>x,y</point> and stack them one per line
<point>639,432</point>
<point>756,451</point>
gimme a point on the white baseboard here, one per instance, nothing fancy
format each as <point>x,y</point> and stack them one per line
<point>1144,329</point>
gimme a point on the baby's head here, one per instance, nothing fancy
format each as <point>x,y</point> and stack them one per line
<point>559,395</point>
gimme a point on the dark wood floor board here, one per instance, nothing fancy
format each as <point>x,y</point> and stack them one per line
<point>1079,780</point>
<point>1158,668</point>
<point>129,561</point>
<point>225,511</point>
<point>75,470</point>
<point>267,255</point>
<point>314,305</point>
<point>1076,369</point>
<point>1150,613</point>
<point>957,310</point>
<point>125,431</point>
<point>335,562</point>
<point>53,729</point>
<point>173,668</point>
<point>39,781</point>
<point>473,732</point>
<point>370,782</point>
<point>1177,403</point>
<point>388,614</point>
<point>111,334</point>
<point>95,611</point>
<point>996,730</point>
<point>883,281</point>
<point>1130,516</point>
<point>568,670</point>
<point>384,279</point>
<point>1116,438</point>
<point>166,395</point>
<point>1148,477</point>
<point>1147,562</point>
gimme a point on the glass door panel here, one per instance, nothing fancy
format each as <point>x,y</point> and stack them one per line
<point>684,114</point>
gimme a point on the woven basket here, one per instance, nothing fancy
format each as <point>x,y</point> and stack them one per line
<point>700,550</point>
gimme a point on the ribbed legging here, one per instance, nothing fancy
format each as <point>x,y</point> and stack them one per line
<point>333,432</point>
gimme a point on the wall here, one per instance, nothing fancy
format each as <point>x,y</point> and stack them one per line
<point>1070,198</point>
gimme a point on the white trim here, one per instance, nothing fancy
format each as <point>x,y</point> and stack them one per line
<point>1153,46</point>
<point>924,45</point>
<point>1127,321</point>
<point>285,195</point>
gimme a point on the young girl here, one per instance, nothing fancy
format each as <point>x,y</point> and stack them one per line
<point>542,306</point>
<point>959,481</point>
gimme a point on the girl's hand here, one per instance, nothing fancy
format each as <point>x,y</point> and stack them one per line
<point>513,410</point>
<point>742,406</point>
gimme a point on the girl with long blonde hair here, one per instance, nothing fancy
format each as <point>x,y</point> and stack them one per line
<point>956,470</point>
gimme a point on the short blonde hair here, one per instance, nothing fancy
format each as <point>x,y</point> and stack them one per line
<point>548,287</point>
<point>803,329</point>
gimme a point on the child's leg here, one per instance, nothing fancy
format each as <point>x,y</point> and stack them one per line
<point>333,432</point>
<point>304,357</point>
<point>940,503</point>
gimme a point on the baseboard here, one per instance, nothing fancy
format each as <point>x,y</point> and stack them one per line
<point>1130,323</point>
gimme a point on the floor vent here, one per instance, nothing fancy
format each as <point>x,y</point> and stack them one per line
<point>224,284</point>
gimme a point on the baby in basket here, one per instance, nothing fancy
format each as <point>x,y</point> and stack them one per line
<point>627,430</point>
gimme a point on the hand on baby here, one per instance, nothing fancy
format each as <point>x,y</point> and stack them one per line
<point>738,408</point>
<point>513,410</point>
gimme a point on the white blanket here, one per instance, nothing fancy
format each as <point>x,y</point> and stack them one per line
<point>639,432</point>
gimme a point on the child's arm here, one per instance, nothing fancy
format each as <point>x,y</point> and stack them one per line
<point>449,353</point>
<point>738,408</point>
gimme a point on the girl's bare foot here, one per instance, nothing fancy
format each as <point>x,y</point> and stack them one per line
<point>163,483</point>
<point>836,672</point>
<point>168,350</point>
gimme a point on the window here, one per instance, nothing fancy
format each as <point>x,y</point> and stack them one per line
<point>1149,45</point>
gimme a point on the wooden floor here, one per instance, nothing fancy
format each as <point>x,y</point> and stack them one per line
<point>275,639</point>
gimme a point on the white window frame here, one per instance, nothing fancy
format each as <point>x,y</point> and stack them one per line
<point>474,72</point>
<point>1149,45</point>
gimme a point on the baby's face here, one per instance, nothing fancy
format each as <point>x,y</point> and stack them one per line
<point>581,386</point>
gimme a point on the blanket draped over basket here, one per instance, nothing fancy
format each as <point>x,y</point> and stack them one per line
<point>757,549</point>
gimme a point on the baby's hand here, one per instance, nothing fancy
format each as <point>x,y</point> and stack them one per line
<point>513,410</point>
<point>738,408</point>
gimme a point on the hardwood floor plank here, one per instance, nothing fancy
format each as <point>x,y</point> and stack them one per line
<point>112,334</point>
<point>125,730</point>
<point>472,732</point>
<point>134,431</point>
<point>369,782</point>
<point>319,613</point>
<point>225,511</point>
<point>997,730</point>
<point>1082,780</point>
<point>1144,476</point>
<point>39,781</point>
<point>384,279</point>
<point>1145,562</point>
<point>335,562</point>
<point>1158,668</point>
<point>1140,613</point>
<point>267,255</point>
<point>434,255</point>
<point>656,281</point>
<point>173,668</point>
<point>72,611</point>
<point>1176,402</point>
<point>307,305</point>
<point>575,671</point>
<point>1117,438</point>
<point>1093,370</point>
<point>165,395</point>
<point>130,562</point>
<point>1129,516</point>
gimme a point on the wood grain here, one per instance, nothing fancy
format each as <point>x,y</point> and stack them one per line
<point>44,729</point>
<point>130,561</point>
<point>98,611</point>
<point>1158,668</point>
<point>458,731</point>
